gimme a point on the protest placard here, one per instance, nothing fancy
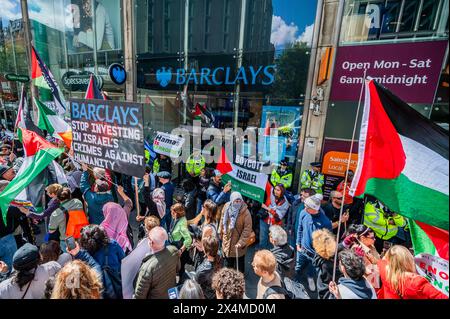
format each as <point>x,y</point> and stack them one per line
<point>168,144</point>
<point>435,269</point>
<point>109,134</point>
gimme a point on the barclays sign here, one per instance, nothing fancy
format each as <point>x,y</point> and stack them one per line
<point>218,76</point>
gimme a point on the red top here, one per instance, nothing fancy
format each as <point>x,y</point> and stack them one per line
<point>348,199</point>
<point>413,286</point>
<point>271,218</point>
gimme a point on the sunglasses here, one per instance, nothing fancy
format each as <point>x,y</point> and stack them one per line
<point>338,198</point>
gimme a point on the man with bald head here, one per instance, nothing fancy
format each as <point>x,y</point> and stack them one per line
<point>159,270</point>
<point>332,210</point>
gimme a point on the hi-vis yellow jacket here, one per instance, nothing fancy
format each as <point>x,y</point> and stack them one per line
<point>384,226</point>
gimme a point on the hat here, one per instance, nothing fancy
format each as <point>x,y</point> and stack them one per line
<point>284,162</point>
<point>26,257</point>
<point>217,173</point>
<point>164,174</point>
<point>313,203</point>
<point>316,164</point>
<point>102,186</point>
<point>3,169</point>
<point>5,146</point>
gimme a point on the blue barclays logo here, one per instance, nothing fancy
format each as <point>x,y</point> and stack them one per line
<point>164,76</point>
<point>218,76</point>
<point>117,73</point>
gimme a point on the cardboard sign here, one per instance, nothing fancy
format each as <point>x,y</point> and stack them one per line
<point>109,134</point>
<point>167,144</point>
<point>435,269</point>
<point>248,178</point>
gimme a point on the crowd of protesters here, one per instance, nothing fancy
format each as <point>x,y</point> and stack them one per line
<point>198,243</point>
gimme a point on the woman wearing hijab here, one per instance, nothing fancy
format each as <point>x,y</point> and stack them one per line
<point>116,221</point>
<point>235,230</point>
<point>155,203</point>
<point>276,207</point>
<point>116,225</point>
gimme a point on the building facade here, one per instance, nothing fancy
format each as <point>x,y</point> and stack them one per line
<point>252,63</point>
<point>400,43</point>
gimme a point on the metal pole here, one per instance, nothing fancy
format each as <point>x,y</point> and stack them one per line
<point>28,44</point>
<point>311,73</point>
<point>13,47</point>
<point>186,54</point>
<point>129,52</point>
<point>240,55</point>
<point>94,31</point>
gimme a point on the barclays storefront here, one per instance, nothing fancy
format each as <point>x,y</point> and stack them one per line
<point>243,61</point>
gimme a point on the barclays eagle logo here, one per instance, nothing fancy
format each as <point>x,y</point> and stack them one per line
<point>164,76</point>
<point>119,74</point>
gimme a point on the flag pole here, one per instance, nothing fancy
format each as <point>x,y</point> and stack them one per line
<point>346,174</point>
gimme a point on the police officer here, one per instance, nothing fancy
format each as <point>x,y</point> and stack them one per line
<point>282,175</point>
<point>195,163</point>
<point>382,221</point>
<point>162,163</point>
<point>313,178</point>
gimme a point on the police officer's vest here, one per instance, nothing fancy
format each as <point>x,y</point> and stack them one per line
<point>375,219</point>
<point>315,183</point>
<point>195,165</point>
<point>156,166</point>
<point>285,179</point>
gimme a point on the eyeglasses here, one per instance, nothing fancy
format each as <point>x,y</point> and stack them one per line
<point>338,198</point>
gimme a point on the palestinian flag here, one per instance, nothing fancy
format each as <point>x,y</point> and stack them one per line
<point>431,253</point>
<point>40,155</point>
<point>245,177</point>
<point>43,78</point>
<point>53,123</point>
<point>24,119</point>
<point>92,91</point>
<point>197,113</point>
<point>403,159</point>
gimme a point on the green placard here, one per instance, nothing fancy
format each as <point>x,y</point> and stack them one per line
<point>17,77</point>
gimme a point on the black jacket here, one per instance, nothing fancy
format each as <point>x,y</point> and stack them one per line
<point>190,204</point>
<point>324,269</point>
<point>14,219</point>
<point>285,260</point>
<point>152,209</point>
<point>165,165</point>
<point>203,276</point>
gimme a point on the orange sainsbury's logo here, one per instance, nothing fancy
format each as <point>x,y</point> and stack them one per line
<point>335,163</point>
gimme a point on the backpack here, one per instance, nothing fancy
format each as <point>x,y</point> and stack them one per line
<point>111,279</point>
<point>75,221</point>
<point>289,288</point>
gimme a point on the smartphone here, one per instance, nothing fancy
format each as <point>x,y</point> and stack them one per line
<point>173,293</point>
<point>70,242</point>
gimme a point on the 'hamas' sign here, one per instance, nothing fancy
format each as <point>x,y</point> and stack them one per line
<point>109,134</point>
<point>168,144</point>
